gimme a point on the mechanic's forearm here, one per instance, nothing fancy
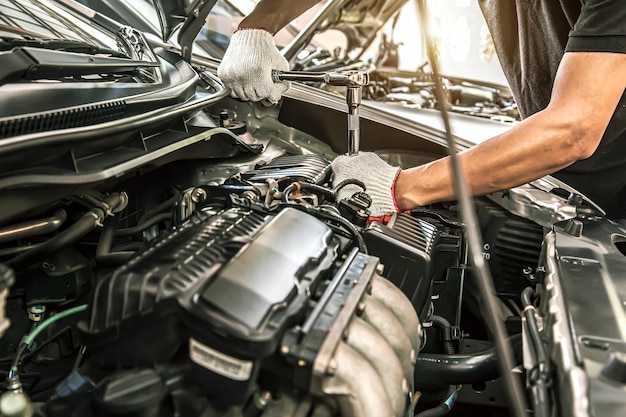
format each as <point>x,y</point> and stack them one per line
<point>538,146</point>
<point>273,15</point>
<point>585,93</point>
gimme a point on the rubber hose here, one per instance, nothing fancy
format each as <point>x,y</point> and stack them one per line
<point>329,215</point>
<point>446,333</point>
<point>318,188</point>
<point>440,410</point>
<point>72,234</point>
<point>349,181</point>
<point>143,226</point>
<point>543,358</point>
<point>104,257</point>
<point>69,236</point>
<point>463,368</point>
<point>160,208</point>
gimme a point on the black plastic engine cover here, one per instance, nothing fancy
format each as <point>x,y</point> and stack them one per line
<point>405,246</point>
<point>139,300</point>
<point>308,168</point>
<point>236,318</point>
<point>229,284</point>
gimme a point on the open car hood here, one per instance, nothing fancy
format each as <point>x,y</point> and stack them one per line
<point>189,16</point>
<point>360,20</point>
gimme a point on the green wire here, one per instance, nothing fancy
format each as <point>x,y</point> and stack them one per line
<point>31,337</point>
<point>28,340</point>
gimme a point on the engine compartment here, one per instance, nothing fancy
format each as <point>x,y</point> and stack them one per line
<point>247,295</point>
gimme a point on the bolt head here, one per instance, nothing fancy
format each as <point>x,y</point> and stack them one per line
<point>332,367</point>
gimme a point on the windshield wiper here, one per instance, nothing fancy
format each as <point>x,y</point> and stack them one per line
<point>66,45</point>
<point>25,63</point>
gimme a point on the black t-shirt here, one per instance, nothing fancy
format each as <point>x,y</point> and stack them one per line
<point>531,37</point>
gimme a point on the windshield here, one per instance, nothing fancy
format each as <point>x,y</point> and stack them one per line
<point>42,19</point>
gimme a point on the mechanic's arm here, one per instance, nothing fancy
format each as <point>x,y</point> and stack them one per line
<point>586,91</point>
<point>273,15</point>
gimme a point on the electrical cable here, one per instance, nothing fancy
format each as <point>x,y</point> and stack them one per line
<point>30,338</point>
<point>329,215</point>
<point>517,399</point>
<point>539,376</point>
<point>297,186</point>
<point>349,181</point>
<point>326,214</point>
<point>445,407</point>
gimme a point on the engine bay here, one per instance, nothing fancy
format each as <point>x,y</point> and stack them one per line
<point>255,294</point>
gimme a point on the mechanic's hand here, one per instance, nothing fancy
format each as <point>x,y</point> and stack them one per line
<point>248,63</point>
<point>378,176</point>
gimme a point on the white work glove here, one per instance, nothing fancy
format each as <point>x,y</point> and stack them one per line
<point>378,176</point>
<point>248,63</point>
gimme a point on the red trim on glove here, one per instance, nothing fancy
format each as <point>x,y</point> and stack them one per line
<point>393,190</point>
<point>380,219</point>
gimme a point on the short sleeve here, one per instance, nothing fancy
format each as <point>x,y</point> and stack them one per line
<point>601,27</point>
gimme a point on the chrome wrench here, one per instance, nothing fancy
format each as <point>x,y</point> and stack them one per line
<point>354,81</point>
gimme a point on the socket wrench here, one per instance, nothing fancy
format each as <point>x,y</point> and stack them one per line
<point>354,81</point>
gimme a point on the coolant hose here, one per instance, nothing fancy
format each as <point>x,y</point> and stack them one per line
<point>92,218</point>
<point>104,257</point>
<point>463,368</point>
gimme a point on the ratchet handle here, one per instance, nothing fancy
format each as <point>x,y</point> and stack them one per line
<point>337,78</point>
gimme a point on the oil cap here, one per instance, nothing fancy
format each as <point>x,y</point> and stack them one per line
<point>134,393</point>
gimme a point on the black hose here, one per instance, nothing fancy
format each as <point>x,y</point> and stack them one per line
<point>543,359</point>
<point>463,368</point>
<point>143,226</point>
<point>104,257</point>
<point>72,234</point>
<point>446,333</point>
<point>84,225</point>
<point>356,234</point>
<point>441,410</point>
<point>318,188</point>
<point>160,208</point>
<point>349,181</point>
<point>540,375</point>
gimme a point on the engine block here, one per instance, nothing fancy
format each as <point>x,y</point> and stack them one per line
<point>245,297</point>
